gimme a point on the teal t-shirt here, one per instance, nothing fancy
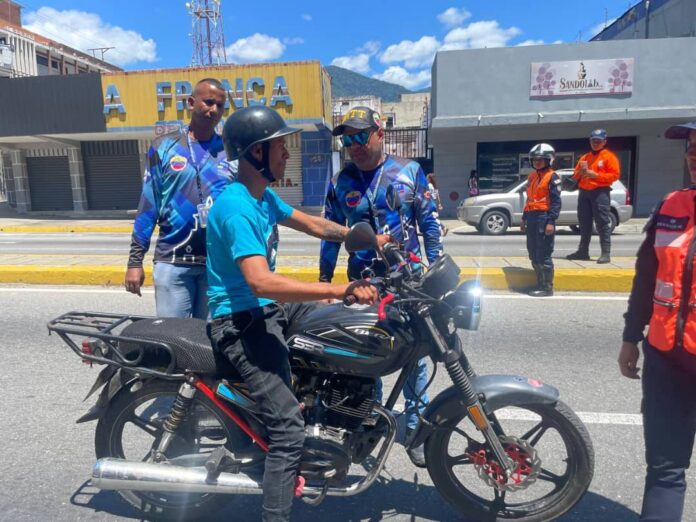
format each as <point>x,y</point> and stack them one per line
<point>239,225</point>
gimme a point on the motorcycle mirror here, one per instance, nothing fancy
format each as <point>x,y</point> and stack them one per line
<point>393,198</point>
<point>361,237</point>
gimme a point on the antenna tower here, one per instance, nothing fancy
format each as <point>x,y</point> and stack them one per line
<point>207,33</point>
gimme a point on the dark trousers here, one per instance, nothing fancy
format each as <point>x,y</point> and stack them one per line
<point>539,245</point>
<point>594,205</point>
<point>669,424</point>
<point>254,342</point>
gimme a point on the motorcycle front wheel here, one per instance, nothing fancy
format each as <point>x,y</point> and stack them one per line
<point>554,464</point>
<point>131,429</point>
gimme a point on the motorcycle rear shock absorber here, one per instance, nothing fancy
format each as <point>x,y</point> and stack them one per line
<point>178,413</point>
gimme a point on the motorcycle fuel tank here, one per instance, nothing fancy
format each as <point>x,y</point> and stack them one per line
<point>351,340</point>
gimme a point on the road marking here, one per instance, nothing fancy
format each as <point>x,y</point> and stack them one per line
<point>588,417</point>
<point>559,297</point>
<point>8,289</point>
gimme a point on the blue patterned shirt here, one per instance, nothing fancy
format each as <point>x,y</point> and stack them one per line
<point>180,175</point>
<point>354,196</point>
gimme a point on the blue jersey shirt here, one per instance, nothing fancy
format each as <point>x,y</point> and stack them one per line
<point>181,173</point>
<point>239,225</point>
<point>355,196</point>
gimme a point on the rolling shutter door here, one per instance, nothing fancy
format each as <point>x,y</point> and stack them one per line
<point>49,183</point>
<point>112,174</point>
<point>290,187</point>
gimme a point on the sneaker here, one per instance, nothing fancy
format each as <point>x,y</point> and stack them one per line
<point>603,259</point>
<point>578,256</point>
<point>417,453</point>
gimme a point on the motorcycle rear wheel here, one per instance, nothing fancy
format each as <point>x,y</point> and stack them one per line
<point>559,489</point>
<point>131,429</point>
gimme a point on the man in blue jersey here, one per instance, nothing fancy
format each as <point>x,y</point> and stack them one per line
<point>358,193</point>
<point>186,171</point>
<point>248,325</point>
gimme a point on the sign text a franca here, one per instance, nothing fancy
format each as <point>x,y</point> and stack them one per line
<point>176,93</point>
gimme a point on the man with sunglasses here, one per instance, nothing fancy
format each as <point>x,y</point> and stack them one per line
<point>358,194</point>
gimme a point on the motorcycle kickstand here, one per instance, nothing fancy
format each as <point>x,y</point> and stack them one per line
<point>315,501</point>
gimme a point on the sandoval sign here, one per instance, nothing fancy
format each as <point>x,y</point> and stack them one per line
<point>613,77</point>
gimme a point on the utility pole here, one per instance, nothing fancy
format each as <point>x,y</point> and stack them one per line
<point>647,19</point>
<point>207,33</point>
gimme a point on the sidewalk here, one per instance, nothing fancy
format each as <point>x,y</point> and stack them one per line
<point>494,272</point>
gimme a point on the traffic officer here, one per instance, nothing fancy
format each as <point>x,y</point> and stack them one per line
<point>662,298</point>
<point>540,214</point>
<point>595,172</point>
<point>358,194</point>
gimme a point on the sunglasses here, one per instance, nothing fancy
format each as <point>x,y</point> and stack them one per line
<point>361,138</point>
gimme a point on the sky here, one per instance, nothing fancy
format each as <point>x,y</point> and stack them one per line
<point>391,40</point>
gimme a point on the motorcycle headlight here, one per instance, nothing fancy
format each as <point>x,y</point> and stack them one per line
<point>466,305</point>
<point>441,277</point>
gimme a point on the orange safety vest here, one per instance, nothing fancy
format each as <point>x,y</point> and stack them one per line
<point>604,163</point>
<point>673,320</point>
<point>538,190</point>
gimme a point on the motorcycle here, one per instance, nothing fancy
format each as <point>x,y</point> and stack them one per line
<point>178,432</point>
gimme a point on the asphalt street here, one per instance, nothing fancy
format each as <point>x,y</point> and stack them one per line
<point>568,341</point>
<point>460,242</point>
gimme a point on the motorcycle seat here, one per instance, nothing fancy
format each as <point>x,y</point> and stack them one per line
<point>189,343</point>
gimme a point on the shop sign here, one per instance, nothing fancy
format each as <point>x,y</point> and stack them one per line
<point>609,77</point>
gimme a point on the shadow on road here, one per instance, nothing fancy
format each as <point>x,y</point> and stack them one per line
<point>387,499</point>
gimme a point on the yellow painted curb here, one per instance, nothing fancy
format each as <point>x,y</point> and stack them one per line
<point>66,228</point>
<point>578,280</point>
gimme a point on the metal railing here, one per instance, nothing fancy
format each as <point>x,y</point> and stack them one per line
<point>409,142</point>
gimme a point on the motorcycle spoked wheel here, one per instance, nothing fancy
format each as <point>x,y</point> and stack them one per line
<point>131,429</point>
<point>562,443</point>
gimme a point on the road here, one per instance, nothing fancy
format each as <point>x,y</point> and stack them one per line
<point>568,341</point>
<point>292,243</point>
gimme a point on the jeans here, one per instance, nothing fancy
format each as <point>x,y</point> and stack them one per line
<point>539,245</point>
<point>595,205</point>
<point>669,424</point>
<point>415,384</point>
<point>254,342</point>
<point>180,290</point>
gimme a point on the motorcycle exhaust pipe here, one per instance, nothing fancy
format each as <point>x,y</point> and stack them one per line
<point>117,474</point>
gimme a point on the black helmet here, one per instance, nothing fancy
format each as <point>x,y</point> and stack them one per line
<point>251,125</point>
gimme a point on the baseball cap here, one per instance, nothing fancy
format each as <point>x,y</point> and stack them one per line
<point>598,134</point>
<point>358,118</point>
<point>680,132</point>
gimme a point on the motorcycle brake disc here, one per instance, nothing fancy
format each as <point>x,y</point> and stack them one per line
<point>526,465</point>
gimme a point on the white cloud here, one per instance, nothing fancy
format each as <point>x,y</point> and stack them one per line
<point>370,47</point>
<point>359,63</point>
<point>453,16</point>
<point>255,48</point>
<point>600,27</point>
<point>84,31</point>
<point>399,75</point>
<point>530,42</point>
<point>413,54</point>
<point>487,33</point>
<point>307,17</point>
<point>296,40</point>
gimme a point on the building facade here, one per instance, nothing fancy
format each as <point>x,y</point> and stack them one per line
<point>653,19</point>
<point>558,94</point>
<point>77,143</point>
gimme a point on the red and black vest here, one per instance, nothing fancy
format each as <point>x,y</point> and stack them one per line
<point>673,320</point>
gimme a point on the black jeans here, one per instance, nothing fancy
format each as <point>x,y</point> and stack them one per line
<point>594,205</point>
<point>254,342</point>
<point>539,245</point>
<point>669,424</point>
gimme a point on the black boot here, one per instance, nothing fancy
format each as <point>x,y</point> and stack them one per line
<point>546,286</point>
<point>604,257</point>
<point>417,453</point>
<point>538,272</point>
<point>582,254</point>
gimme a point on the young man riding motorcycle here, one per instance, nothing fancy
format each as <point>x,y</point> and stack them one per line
<point>247,323</point>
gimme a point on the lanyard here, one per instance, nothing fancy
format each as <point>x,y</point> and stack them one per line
<point>192,153</point>
<point>372,195</point>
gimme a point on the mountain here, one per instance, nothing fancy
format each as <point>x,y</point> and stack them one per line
<point>349,83</point>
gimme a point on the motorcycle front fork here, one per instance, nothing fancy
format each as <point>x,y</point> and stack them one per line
<point>177,414</point>
<point>461,377</point>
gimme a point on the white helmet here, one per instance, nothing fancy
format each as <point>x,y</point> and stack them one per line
<point>542,150</point>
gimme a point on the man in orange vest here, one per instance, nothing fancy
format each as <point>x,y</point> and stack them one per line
<point>662,297</point>
<point>595,172</point>
<point>540,214</point>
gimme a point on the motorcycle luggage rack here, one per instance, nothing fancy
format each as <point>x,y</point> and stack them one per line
<point>104,327</point>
